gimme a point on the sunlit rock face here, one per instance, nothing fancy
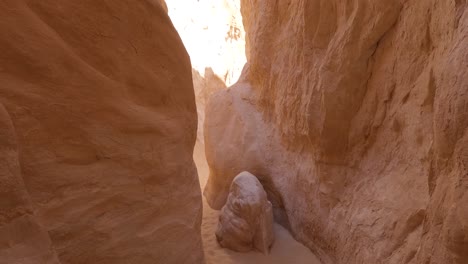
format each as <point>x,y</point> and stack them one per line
<point>354,116</point>
<point>213,33</point>
<point>97,128</point>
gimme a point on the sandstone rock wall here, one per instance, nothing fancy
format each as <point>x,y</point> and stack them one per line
<point>97,125</point>
<point>19,227</point>
<point>205,85</point>
<point>213,33</point>
<point>354,115</point>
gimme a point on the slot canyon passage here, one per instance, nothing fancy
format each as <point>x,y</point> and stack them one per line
<point>353,115</point>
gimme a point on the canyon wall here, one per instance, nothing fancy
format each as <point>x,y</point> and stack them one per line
<point>97,128</point>
<point>354,116</point>
<point>213,33</point>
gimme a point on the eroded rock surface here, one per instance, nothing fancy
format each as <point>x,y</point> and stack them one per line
<point>246,221</point>
<point>97,126</point>
<point>22,239</point>
<point>354,116</point>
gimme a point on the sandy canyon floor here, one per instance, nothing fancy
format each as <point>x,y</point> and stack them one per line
<point>284,250</point>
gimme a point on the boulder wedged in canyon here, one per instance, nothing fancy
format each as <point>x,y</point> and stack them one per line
<point>97,135</point>
<point>354,117</point>
<point>246,221</point>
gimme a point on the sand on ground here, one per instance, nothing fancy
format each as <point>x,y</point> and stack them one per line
<point>285,250</point>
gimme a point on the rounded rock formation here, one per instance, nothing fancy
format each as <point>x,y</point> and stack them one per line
<point>246,221</point>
